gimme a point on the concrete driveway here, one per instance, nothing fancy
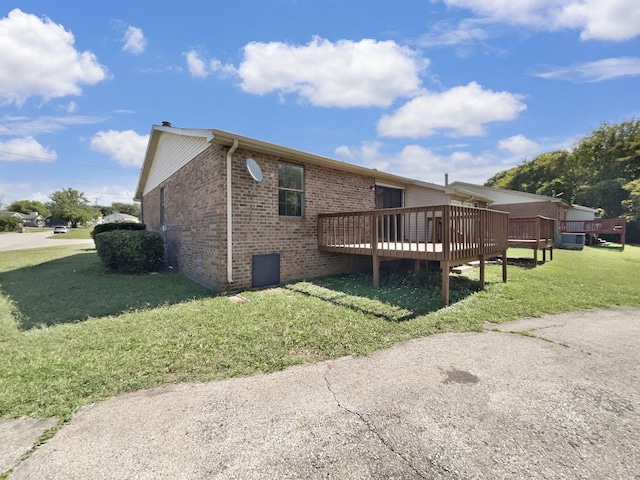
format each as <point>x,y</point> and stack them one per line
<point>21,241</point>
<point>562,401</point>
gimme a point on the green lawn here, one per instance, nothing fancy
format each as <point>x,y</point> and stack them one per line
<point>71,334</point>
<point>73,233</point>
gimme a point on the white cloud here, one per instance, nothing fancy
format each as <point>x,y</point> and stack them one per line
<point>518,144</point>
<point>125,147</point>
<point>197,67</point>
<point>200,68</point>
<point>106,195</point>
<point>602,19</point>
<point>26,126</point>
<point>445,34</point>
<point>39,59</point>
<point>615,20</point>
<point>605,69</point>
<point>26,149</point>
<point>460,111</point>
<point>134,41</point>
<point>72,107</point>
<point>341,74</point>
<point>418,162</point>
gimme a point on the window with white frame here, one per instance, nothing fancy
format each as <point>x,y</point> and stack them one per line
<point>290,190</point>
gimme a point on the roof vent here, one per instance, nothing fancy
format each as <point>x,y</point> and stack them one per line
<point>166,124</point>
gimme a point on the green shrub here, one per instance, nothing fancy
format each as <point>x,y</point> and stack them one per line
<point>109,227</point>
<point>130,251</point>
<point>9,224</point>
<point>633,232</point>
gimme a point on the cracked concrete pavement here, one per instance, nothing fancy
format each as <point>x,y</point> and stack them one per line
<point>562,401</point>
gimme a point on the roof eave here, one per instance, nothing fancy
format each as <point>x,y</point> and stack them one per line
<point>227,138</point>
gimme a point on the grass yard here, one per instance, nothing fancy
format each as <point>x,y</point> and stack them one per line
<point>73,233</point>
<point>70,334</point>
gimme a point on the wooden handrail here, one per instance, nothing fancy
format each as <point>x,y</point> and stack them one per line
<point>614,226</point>
<point>603,225</point>
<point>448,232</point>
<point>532,228</point>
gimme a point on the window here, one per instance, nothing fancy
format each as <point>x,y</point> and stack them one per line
<point>290,190</point>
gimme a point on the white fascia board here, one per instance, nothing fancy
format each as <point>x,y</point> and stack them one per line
<point>226,138</point>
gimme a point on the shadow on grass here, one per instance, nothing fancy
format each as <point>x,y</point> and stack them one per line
<point>524,262</point>
<point>77,287</point>
<point>400,297</point>
<point>616,247</point>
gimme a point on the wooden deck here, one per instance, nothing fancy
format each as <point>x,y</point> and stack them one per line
<point>448,234</point>
<point>612,226</point>
<point>537,233</point>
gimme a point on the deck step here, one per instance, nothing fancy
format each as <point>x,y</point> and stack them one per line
<point>462,269</point>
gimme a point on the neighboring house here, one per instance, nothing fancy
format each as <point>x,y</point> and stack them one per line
<point>34,220</point>
<point>56,222</point>
<point>118,218</point>
<point>7,213</point>
<point>579,212</point>
<point>228,230</point>
<point>519,204</point>
<point>31,220</point>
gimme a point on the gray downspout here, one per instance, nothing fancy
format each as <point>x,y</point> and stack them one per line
<point>230,214</point>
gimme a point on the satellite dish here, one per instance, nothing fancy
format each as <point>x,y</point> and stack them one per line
<point>254,169</point>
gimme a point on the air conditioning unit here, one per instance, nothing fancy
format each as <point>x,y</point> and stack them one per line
<point>572,241</point>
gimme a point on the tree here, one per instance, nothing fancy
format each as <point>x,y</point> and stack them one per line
<point>128,208</point>
<point>632,204</point>
<point>28,206</point>
<point>599,172</point>
<point>72,206</point>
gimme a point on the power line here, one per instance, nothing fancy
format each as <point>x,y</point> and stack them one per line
<point>58,161</point>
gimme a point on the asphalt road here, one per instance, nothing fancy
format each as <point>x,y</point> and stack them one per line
<point>21,241</point>
<point>562,401</point>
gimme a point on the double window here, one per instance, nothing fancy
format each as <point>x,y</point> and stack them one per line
<point>290,190</point>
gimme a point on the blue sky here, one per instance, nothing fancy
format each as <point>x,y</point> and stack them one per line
<point>416,88</point>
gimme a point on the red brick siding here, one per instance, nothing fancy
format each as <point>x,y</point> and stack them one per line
<point>195,218</point>
<point>195,214</point>
<point>531,209</point>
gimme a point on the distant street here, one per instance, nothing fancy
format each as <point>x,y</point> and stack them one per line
<point>21,241</point>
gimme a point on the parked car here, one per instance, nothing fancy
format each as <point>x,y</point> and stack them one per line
<point>60,229</point>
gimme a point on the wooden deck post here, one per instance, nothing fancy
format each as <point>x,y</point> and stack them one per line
<point>444,266</point>
<point>376,271</point>
<point>535,257</point>
<point>416,265</point>
<point>445,263</point>
<point>504,267</point>
<point>481,272</point>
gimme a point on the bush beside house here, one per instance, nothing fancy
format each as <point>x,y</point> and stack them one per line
<point>129,250</point>
<point>10,224</point>
<point>109,227</point>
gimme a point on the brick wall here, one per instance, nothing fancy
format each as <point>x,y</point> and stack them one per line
<point>195,217</point>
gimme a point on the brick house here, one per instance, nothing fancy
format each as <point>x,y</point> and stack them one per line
<point>520,204</point>
<point>227,231</point>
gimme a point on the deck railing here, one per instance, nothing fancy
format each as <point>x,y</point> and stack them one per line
<point>444,232</point>
<point>615,226</point>
<point>538,228</point>
<point>603,225</point>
